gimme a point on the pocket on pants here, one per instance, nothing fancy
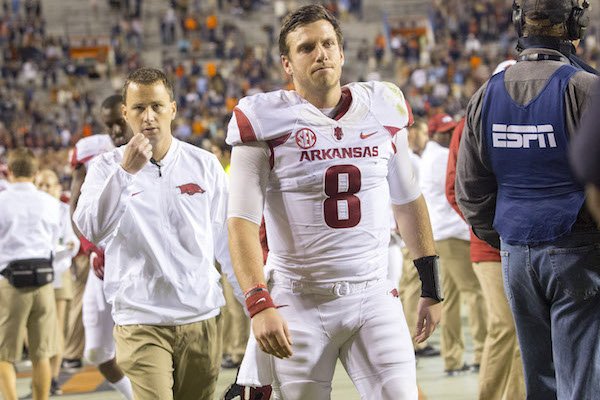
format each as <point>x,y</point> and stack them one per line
<point>505,258</point>
<point>577,270</point>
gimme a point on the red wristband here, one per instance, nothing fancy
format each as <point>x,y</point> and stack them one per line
<point>259,287</point>
<point>86,246</point>
<point>258,301</point>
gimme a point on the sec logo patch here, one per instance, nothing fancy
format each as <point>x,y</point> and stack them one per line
<point>305,138</point>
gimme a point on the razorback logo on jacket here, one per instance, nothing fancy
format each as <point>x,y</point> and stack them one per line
<point>190,188</point>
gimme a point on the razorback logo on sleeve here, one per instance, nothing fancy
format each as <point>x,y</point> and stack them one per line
<point>190,189</point>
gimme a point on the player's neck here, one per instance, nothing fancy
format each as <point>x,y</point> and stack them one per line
<point>328,98</point>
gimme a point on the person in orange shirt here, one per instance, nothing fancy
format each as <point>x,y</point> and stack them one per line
<point>190,24</point>
<point>379,48</point>
<point>212,22</point>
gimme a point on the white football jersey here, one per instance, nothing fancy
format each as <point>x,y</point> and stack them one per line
<point>328,195</point>
<point>89,147</point>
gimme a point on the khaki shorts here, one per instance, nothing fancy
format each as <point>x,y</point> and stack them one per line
<point>171,362</point>
<point>66,291</point>
<point>30,310</point>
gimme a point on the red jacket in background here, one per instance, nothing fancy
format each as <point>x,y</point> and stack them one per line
<point>480,250</point>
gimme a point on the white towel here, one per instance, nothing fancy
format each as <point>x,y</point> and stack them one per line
<point>255,370</point>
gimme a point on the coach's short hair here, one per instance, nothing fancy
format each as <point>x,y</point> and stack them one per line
<point>304,16</point>
<point>22,163</point>
<point>147,76</point>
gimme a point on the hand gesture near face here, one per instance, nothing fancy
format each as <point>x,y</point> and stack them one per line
<point>137,153</point>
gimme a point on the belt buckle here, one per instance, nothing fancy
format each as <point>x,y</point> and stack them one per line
<point>296,287</point>
<point>341,289</point>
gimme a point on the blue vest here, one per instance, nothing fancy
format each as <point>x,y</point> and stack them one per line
<point>538,198</point>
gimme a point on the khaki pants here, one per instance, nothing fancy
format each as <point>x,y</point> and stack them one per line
<point>27,310</point>
<point>501,374</point>
<point>171,362</point>
<point>75,337</point>
<point>459,283</point>
<point>236,325</point>
<point>410,293</point>
<point>66,291</point>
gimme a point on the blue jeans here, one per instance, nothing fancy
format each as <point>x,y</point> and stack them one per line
<point>554,293</point>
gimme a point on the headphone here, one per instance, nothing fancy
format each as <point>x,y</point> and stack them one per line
<point>575,24</point>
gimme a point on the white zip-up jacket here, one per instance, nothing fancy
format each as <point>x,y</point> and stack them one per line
<point>162,229</point>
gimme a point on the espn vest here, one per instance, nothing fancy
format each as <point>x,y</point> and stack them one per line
<point>538,199</point>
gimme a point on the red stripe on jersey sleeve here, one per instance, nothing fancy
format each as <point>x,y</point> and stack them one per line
<point>246,131</point>
<point>74,162</point>
<point>88,158</point>
<point>411,119</point>
<point>392,130</point>
<point>274,143</point>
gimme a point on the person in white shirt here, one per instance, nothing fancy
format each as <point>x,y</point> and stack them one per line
<point>451,235</point>
<point>326,161</point>
<point>30,228</point>
<point>47,181</point>
<point>158,207</point>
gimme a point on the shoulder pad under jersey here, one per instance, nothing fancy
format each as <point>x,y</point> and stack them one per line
<point>386,102</point>
<point>263,117</point>
<point>89,147</point>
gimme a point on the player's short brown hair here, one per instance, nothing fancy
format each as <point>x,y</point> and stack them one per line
<point>304,16</point>
<point>147,76</point>
<point>22,163</point>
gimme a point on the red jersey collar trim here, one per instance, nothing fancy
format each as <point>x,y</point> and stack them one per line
<point>344,104</point>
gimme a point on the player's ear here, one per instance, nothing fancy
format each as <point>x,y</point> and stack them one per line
<point>287,65</point>
<point>173,110</point>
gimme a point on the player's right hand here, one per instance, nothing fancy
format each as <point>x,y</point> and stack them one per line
<point>97,262</point>
<point>272,334</point>
<point>137,154</point>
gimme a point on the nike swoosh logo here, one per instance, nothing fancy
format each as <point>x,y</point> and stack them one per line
<point>261,300</point>
<point>136,193</point>
<point>363,136</point>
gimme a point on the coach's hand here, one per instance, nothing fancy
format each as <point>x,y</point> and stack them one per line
<point>137,154</point>
<point>429,312</point>
<point>272,334</point>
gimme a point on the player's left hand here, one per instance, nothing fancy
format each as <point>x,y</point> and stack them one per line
<point>429,313</point>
